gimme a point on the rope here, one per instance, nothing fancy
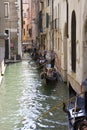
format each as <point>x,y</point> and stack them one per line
<point>57,106</point>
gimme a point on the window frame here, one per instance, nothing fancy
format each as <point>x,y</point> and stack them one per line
<point>6,10</point>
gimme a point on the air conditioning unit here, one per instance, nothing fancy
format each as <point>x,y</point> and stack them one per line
<point>41,1</point>
<point>16,3</point>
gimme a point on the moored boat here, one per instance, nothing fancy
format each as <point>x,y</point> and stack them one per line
<point>77,117</point>
<point>49,75</point>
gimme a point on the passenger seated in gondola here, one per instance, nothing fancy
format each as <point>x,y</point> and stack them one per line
<point>49,72</point>
<point>54,72</point>
<point>52,55</point>
<point>43,74</point>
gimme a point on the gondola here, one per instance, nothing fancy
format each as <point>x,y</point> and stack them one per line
<point>77,117</point>
<point>49,75</point>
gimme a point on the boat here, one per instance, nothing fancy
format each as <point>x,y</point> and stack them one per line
<point>49,75</point>
<point>77,117</point>
<point>12,61</point>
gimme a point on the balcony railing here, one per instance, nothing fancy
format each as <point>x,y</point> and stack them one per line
<point>41,1</point>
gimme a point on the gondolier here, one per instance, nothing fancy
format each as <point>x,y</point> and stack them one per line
<point>45,52</point>
<point>52,55</point>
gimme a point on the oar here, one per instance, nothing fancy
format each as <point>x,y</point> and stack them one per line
<point>58,106</point>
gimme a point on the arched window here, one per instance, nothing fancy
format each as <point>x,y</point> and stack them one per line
<point>73,42</point>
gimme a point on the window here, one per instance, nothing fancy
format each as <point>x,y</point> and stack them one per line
<point>47,20</point>
<point>42,5</point>
<point>48,1</point>
<point>6,9</point>
<point>58,43</point>
<point>58,15</point>
<point>30,32</point>
<point>24,32</point>
<point>24,15</point>
<point>23,22</point>
<point>27,27</point>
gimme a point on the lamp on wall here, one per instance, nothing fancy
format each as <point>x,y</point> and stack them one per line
<point>4,36</point>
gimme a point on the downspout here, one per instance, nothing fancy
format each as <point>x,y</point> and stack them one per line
<point>22,13</point>
<point>52,14</point>
<point>67,17</point>
<point>52,25</point>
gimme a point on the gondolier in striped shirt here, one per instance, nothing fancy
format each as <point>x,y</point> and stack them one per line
<point>52,55</point>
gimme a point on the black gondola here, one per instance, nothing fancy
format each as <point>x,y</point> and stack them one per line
<point>77,117</point>
<point>49,75</point>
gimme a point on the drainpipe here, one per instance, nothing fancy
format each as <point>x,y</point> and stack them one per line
<point>67,17</point>
<point>52,25</point>
<point>22,14</point>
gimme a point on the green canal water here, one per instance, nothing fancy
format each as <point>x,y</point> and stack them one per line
<point>23,100</point>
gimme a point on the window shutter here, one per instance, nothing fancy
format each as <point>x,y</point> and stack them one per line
<point>47,20</point>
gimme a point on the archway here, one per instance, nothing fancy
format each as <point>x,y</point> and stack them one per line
<point>73,42</point>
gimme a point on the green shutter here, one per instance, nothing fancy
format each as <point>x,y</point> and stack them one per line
<point>47,20</point>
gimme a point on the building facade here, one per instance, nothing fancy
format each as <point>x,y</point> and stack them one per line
<point>12,17</point>
<point>32,20</point>
<point>10,32</point>
<point>77,47</point>
<point>71,42</point>
<point>2,40</point>
<point>66,35</point>
<point>25,34</point>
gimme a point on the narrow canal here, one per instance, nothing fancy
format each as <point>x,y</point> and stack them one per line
<point>23,99</point>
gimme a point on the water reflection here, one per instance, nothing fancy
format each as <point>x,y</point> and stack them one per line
<point>23,99</point>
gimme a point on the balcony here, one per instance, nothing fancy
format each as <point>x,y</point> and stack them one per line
<point>41,1</point>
